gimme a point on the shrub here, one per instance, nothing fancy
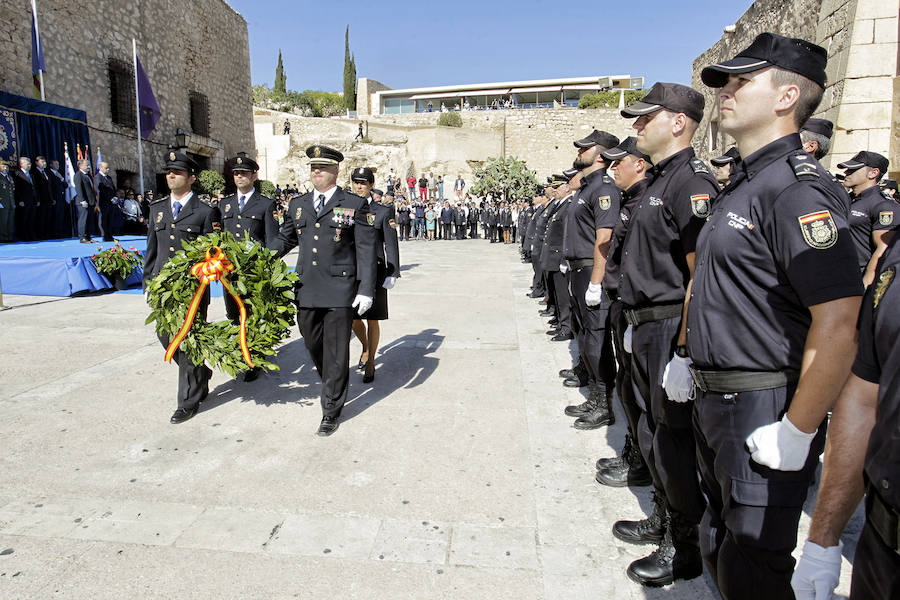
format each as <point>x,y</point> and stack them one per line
<point>610,98</point>
<point>211,182</point>
<point>450,119</point>
<point>267,188</point>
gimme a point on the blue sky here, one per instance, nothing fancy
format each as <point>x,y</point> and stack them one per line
<point>408,44</point>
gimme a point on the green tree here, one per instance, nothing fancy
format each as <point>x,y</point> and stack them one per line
<point>266,188</point>
<point>610,98</point>
<point>211,182</point>
<point>450,119</point>
<point>280,79</point>
<point>349,74</point>
<point>506,178</point>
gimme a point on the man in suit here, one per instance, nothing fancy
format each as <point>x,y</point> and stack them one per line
<point>7,204</point>
<point>85,201</point>
<point>106,191</point>
<point>250,215</point>
<point>472,217</point>
<point>387,270</point>
<point>459,186</point>
<point>446,221</point>
<point>62,221</point>
<point>43,205</point>
<point>336,234</point>
<point>178,217</point>
<point>25,200</point>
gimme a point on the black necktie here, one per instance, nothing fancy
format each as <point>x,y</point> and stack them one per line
<point>320,204</point>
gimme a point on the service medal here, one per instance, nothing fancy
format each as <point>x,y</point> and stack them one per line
<point>337,235</point>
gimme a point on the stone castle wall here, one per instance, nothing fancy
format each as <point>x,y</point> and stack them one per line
<point>197,47</point>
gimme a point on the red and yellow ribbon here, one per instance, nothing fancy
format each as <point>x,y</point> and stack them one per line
<point>215,267</point>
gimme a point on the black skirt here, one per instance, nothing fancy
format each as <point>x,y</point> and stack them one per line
<point>379,310</point>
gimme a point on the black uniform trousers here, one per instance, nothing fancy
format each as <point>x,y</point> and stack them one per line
<point>106,220</point>
<point>445,229</point>
<point>592,331</point>
<point>326,333</point>
<point>664,431</point>
<point>750,525</point>
<point>537,282</point>
<point>473,230</point>
<point>25,225</point>
<point>193,380</point>
<point>876,568</point>
<point>559,299</point>
<point>624,381</point>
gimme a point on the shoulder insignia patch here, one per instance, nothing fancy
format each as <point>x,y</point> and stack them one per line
<point>700,205</point>
<point>886,217</point>
<point>604,202</point>
<point>370,219</point>
<point>884,280</point>
<point>804,166</point>
<point>819,230</point>
<point>699,166</point>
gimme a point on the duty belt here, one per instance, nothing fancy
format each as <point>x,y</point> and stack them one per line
<point>883,518</point>
<point>732,382</point>
<point>580,263</point>
<point>636,316</point>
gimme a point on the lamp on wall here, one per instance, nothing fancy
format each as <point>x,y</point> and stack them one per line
<point>181,138</point>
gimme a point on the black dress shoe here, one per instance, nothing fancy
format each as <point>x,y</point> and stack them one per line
<point>554,331</point>
<point>574,382</point>
<point>546,312</point>
<point>252,374</point>
<point>562,337</point>
<point>328,426</point>
<point>612,462</point>
<point>182,414</point>
<point>85,241</point>
<point>535,295</point>
<point>567,373</point>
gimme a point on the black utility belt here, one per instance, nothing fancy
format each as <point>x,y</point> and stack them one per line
<point>580,263</point>
<point>636,316</point>
<point>733,382</point>
<point>883,518</point>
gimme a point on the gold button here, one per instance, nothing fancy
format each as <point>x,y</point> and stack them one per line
<point>315,237</point>
<point>314,263</point>
<point>343,272</point>
<point>189,228</point>
<point>238,226</point>
<point>239,216</point>
<point>317,225</point>
<point>171,237</point>
<point>171,249</point>
<point>172,226</point>
<point>314,251</point>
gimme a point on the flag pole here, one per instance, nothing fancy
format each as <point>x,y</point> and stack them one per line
<point>37,32</point>
<point>137,105</point>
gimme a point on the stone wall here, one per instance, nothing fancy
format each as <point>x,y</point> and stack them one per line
<point>365,87</point>
<point>197,47</point>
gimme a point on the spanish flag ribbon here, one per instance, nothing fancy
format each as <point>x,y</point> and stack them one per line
<point>215,267</point>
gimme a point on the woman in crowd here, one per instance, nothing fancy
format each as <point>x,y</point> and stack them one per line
<point>430,218</point>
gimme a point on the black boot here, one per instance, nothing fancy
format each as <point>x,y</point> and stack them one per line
<point>645,531</point>
<point>586,407</point>
<point>678,557</point>
<point>601,414</point>
<point>575,377</point>
<point>616,462</point>
<point>632,472</point>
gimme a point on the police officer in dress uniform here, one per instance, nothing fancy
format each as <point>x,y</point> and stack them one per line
<point>7,204</point>
<point>589,224</point>
<point>552,255</point>
<point>175,218</point>
<point>387,251</point>
<point>724,165</point>
<point>336,265</point>
<point>536,242</point>
<point>872,215</point>
<point>862,455</point>
<point>656,270</point>
<point>247,214</point>
<point>629,167</point>
<point>771,319</point>
<point>816,137</point>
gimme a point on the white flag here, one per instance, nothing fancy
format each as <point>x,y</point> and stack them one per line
<point>70,179</point>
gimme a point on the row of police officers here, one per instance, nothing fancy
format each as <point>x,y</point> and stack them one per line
<point>733,299</point>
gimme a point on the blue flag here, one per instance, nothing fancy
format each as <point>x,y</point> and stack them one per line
<point>37,56</point>
<point>149,109</point>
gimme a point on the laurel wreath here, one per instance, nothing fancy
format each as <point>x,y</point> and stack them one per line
<point>264,282</point>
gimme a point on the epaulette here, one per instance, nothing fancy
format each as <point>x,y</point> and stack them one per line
<point>158,200</point>
<point>804,166</point>
<point>608,179</point>
<point>699,166</point>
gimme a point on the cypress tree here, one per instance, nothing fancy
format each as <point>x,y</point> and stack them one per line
<point>349,78</point>
<point>280,79</point>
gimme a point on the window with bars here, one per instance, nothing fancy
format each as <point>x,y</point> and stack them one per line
<point>199,114</point>
<point>121,93</point>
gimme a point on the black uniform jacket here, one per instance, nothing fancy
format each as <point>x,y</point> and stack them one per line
<point>387,247</point>
<point>256,221</point>
<point>552,252</point>
<point>337,252</point>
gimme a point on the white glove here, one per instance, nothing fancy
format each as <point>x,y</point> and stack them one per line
<point>594,294</point>
<point>817,572</point>
<point>677,380</point>
<point>626,339</point>
<point>362,303</point>
<point>563,267</point>
<point>780,445</point>
<point>147,297</point>
<point>389,282</point>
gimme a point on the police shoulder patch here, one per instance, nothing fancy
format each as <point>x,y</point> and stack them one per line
<point>604,202</point>
<point>699,166</point>
<point>804,166</point>
<point>884,280</point>
<point>886,217</point>
<point>700,205</point>
<point>819,230</point>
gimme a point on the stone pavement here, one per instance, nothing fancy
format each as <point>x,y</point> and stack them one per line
<point>454,475</point>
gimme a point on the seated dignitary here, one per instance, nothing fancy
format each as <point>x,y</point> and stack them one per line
<point>387,253</point>
<point>336,265</point>
<point>178,217</point>
<point>247,214</point>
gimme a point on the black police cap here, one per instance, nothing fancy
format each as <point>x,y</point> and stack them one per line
<point>377,192</point>
<point>672,96</point>
<point>889,184</point>
<point>768,50</point>
<point>597,138</point>
<point>823,127</point>
<point>570,173</point>
<point>623,149</point>
<point>557,179</point>
<point>731,155</point>
<point>539,191</point>
<point>363,175</point>
<point>323,155</point>
<point>181,162</point>
<point>242,162</point>
<point>866,159</point>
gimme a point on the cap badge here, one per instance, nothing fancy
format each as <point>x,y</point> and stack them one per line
<point>171,156</point>
<point>819,230</point>
<point>240,160</point>
<point>317,152</point>
<point>884,280</point>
